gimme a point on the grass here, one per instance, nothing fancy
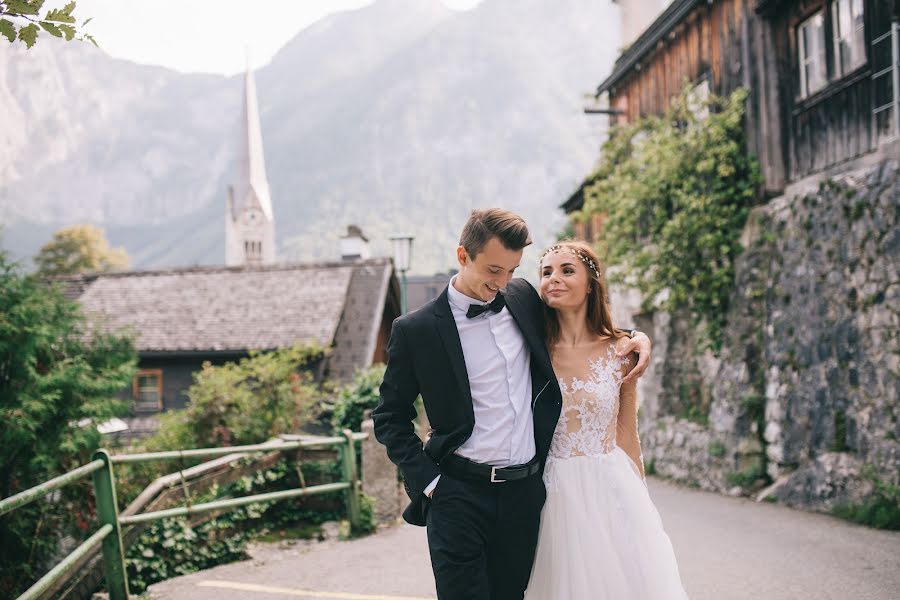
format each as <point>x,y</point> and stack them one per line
<point>300,531</point>
<point>881,510</point>
<point>747,477</point>
<point>716,449</point>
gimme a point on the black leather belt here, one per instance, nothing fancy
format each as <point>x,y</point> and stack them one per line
<point>463,468</point>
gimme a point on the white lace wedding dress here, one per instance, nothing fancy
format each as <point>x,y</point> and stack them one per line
<point>601,537</point>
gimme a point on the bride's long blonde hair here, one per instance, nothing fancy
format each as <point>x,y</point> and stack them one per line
<point>599,317</point>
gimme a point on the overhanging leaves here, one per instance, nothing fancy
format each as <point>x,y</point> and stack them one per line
<point>50,28</point>
<point>24,7</point>
<point>62,15</point>
<point>58,22</point>
<point>68,31</point>
<point>28,34</point>
<point>8,30</point>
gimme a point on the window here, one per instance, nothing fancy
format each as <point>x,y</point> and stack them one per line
<point>147,390</point>
<point>253,250</point>
<point>849,35</point>
<point>698,98</point>
<point>847,49</point>
<point>885,66</point>
<point>811,53</point>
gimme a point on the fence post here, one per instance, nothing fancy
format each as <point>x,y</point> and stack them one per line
<point>348,456</point>
<point>108,512</point>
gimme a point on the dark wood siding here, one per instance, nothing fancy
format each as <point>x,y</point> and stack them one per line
<point>178,371</point>
<point>730,44</point>
<point>834,124</point>
<point>724,44</point>
<point>177,376</point>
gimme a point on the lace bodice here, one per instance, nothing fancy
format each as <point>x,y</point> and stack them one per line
<point>598,413</point>
<point>587,421</point>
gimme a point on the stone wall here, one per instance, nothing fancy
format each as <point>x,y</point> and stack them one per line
<point>379,477</point>
<point>802,399</point>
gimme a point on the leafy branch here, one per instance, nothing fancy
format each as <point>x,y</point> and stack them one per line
<point>21,20</point>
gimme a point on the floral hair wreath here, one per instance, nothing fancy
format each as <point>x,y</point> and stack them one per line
<point>584,258</point>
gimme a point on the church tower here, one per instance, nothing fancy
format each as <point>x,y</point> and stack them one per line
<point>249,221</point>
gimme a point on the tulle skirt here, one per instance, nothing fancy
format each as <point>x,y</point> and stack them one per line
<point>601,537</point>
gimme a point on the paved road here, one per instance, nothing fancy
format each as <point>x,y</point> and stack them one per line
<point>728,549</point>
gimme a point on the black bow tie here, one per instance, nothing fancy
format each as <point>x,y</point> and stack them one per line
<point>496,306</point>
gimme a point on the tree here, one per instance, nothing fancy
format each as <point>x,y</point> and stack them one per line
<point>20,19</point>
<point>59,377</point>
<point>79,249</point>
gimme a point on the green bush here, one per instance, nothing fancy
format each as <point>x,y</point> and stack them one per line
<point>355,398</point>
<point>244,402</point>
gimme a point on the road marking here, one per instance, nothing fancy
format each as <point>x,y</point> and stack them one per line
<point>265,589</point>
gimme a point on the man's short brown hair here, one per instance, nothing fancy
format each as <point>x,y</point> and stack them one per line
<point>483,224</point>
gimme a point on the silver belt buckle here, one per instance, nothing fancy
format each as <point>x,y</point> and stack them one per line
<point>494,476</point>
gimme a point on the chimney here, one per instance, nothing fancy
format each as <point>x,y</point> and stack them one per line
<point>354,245</point>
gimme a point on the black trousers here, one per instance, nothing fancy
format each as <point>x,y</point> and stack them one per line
<point>482,537</point>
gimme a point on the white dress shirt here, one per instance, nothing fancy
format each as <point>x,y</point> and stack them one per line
<point>498,364</point>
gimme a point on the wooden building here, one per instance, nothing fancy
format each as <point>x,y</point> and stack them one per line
<point>183,317</point>
<point>821,76</point>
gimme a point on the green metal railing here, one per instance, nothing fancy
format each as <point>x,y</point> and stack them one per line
<point>110,533</point>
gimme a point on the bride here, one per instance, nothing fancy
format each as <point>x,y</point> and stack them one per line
<point>600,537</point>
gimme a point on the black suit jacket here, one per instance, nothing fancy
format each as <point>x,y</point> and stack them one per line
<point>425,357</point>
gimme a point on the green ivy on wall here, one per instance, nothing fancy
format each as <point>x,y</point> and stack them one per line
<point>676,191</point>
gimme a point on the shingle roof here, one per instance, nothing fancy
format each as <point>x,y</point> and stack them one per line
<point>357,333</point>
<point>226,308</point>
<point>673,14</point>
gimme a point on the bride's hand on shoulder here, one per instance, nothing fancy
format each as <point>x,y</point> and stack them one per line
<point>640,344</point>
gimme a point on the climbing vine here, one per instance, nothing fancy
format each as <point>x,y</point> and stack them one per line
<point>676,191</point>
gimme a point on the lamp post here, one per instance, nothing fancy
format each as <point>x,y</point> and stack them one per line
<point>402,254</point>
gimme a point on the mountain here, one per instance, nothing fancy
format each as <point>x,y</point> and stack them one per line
<point>400,116</point>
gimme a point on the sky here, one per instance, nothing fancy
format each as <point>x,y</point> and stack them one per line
<point>206,36</point>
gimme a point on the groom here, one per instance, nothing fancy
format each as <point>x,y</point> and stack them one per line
<point>477,357</point>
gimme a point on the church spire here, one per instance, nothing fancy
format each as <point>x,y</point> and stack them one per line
<point>251,161</point>
<point>249,227</point>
